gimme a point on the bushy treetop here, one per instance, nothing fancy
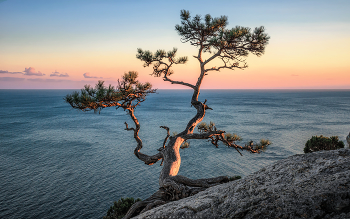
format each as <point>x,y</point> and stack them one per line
<point>213,35</point>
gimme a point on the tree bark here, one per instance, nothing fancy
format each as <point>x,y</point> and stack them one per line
<point>172,186</point>
<point>205,36</point>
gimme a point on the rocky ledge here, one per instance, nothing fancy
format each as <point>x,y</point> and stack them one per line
<point>315,185</point>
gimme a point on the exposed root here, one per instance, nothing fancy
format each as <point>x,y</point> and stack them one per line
<point>174,188</point>
<point>139,207</point>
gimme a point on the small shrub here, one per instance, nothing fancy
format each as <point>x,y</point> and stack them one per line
<point>232,178</point>
<point>120,208</point>
<point>319,143</point>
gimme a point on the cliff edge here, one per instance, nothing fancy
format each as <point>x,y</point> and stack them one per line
<point>314,185</point>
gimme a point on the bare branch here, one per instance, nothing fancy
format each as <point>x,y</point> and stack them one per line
<point>127,127</point>
<point>212,57</point>
<point>149,160</point>
<point>165,78</point>
<point>168,134</point>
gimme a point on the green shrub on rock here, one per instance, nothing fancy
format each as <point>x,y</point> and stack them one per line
<point>319,143</point>
<point>233,178</point>
<point>120,208</point>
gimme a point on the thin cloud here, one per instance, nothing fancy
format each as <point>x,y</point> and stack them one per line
<point>87,75</point>
<point>7,72</point>
<point>31,71</point>
<point>57,74</point>
<point>294,75</point>
<point>57,80</point>
<point>35,79</point>
<point>11,79</point>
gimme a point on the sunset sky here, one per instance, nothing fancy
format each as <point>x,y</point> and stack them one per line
<point>68,43</point>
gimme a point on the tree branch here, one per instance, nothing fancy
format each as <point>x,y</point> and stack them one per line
<point>165,78</point>
<point>212,57</point>
<point>149,160</point>
<point>168,134</point>
<point>218,135</point>
<point>204,135</point>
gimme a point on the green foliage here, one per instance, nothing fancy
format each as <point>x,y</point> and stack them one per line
<point>262,145</point>
<point>185,144</point>
<point>120,208</point>
<point>212,33</point>
<point>194,29</point>
<point>162,60</point>
<point>127,91</point>
<point>319,143</point>
<point>204,127</point>
<point>233,178</point>
<point>232,137</point>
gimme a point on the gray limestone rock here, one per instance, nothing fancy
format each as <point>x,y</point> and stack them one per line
<point>314,185</point>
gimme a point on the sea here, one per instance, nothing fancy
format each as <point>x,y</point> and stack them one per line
<point>58,162</point>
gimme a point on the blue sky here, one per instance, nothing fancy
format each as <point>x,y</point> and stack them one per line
<point>80,36</point>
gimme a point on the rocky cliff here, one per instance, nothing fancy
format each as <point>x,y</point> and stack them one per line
<point>315,185</point>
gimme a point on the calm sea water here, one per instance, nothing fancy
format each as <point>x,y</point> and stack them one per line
<point>56,162</point>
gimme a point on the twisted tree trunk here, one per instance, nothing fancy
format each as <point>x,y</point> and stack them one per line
<point>172,186</point>
<point>230,47</point>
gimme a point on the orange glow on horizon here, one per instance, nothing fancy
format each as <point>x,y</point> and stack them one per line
<point>288,63</point>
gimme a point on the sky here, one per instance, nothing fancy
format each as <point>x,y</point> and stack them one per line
<point>65,44</point>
